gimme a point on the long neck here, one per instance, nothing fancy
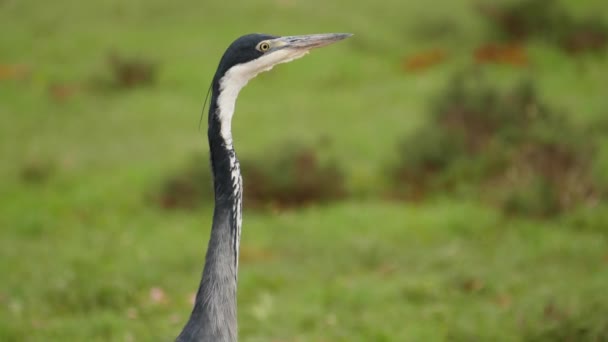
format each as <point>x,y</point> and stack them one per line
<point>214,317</point>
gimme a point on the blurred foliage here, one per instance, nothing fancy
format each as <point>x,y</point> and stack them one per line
<point>589,218</point>
<point>509,53</point>
<point>586,324</point>
<point>549,21</point>
<point>131,72</point>
<point>509,146</point>
<point>37,170</point>
<point>122,72</point>
<point>293,176</point>
<point>187,187</point>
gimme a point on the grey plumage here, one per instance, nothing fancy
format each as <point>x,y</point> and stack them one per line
<point>214,314</point>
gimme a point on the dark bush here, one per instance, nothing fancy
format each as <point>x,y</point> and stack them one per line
<point>293,176</point>
<point>588,324</point>
<point>187,188</point>
<point>547,21</point>
<point>509,146</point>
<point>131,72</point>
<point>36,171</point>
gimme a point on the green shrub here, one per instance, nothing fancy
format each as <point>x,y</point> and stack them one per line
<point>587,324</point>
<point>188,187</point>
<point>546,20</point>
<point>293,176</point>
<point>507,145</point>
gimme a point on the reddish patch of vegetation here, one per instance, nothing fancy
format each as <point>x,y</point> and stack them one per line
<point>13,72</point>
<point>511,53</point>
<point>424,60</point>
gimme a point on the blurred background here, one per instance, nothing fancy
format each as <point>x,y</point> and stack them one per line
<point>440,176</point>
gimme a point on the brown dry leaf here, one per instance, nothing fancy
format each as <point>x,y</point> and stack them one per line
<point>62,92</point>
<point>504,301</point>
<point>158,296</point>
<point>473,285</point>
<point>424,60</point>
<point>250,254</point>
<point>511,53</point>
<point>13,72</point>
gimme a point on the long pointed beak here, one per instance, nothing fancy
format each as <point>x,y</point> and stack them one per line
<point>310,41</point>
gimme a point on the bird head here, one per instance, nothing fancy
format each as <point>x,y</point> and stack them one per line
<point>252,54</point>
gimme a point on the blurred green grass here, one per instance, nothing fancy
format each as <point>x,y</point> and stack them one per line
<point>80,252</point>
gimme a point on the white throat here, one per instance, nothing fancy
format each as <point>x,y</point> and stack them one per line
<point>237,77</point>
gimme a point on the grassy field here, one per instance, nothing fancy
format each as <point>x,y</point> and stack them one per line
<point>83,256</point>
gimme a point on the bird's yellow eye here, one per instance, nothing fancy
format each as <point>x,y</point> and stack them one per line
<point>264,46</point>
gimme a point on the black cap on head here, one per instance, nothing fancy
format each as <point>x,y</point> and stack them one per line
<point>242,50</point>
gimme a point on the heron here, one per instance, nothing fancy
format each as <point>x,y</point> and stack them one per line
<point>214,316</point>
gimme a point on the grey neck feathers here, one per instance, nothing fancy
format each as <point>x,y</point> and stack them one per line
<point>214,317</point>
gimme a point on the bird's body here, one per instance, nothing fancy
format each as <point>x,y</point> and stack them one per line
<point>214,317</point>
